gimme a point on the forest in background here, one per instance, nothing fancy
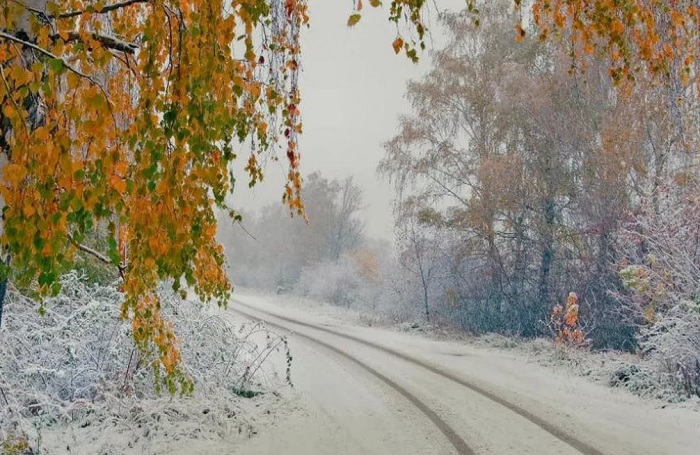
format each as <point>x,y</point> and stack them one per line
<point>521,175</point>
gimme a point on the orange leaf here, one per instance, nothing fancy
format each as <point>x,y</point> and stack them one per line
<point>28,210</point>
<point>118,183</point>
<point>397,45</point>
<point>14,173</point>
<point>210,230</point>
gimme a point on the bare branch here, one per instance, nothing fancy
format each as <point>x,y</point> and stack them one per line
<point>246,231</point>
<point>7,403</point>
<point>109,42</point>
<point>103,10</point>
<point>90,251</point>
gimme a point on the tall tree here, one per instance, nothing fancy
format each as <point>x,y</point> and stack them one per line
<point>126,114</point>
<point>422,249</point>
<point>517,153</point>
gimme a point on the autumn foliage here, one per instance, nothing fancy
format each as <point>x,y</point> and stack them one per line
<point>125,115</point>
<point>658,36</point>
<point>564,321</point>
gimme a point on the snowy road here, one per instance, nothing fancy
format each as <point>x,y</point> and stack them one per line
<point>372,391</point>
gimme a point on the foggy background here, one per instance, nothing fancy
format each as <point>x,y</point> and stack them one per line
<point>352,89</point>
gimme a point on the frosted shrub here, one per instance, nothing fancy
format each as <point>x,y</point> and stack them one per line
<point>333,282</point>
<point>48,363</point>
<point>373,286</point>
<point>78,365</point>
<point>673,346</point>
<point>565,324</point>
<point>661,272</point>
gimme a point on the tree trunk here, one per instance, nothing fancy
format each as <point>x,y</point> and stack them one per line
<point>3,291</point>
<point>425,299</point>
<point>547,252</point>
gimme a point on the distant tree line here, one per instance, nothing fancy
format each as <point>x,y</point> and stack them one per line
<point>271,249</point>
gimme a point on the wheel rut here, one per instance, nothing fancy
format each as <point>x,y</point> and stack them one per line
<point>459,444</point>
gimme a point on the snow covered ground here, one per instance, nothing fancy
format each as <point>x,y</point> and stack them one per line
<point>342,404</point>
<point>358,388</point>
<point>72,381</point>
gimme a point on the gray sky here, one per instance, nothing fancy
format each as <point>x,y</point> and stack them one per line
<point>352,93</point>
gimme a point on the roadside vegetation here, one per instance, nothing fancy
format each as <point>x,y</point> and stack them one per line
<point>73,379</point>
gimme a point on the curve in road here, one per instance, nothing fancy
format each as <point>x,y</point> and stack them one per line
<point>457,442</point>
<point>460,445</point>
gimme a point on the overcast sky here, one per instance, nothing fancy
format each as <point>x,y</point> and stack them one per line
<point>352,94</point>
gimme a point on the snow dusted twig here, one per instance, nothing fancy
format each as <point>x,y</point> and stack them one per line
<point>2,392</point>
<point>90,251</point>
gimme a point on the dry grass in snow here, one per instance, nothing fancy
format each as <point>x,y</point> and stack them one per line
<point>72,379</point>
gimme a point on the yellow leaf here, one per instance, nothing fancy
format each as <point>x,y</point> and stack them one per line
<point>28,210</point>
<point>42,134</point>
<point>64,182</point>
<point>354,19</point>
<point>14,173</point>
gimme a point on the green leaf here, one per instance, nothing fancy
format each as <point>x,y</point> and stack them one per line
<point>56,64</point>
<point>47,277</point>
<point>113,251</point>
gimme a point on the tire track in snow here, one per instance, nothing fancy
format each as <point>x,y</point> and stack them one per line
<point>457,442</point>
<point>555,431</point>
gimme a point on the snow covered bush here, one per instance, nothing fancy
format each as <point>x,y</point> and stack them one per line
<point>369,281</point>
<point>336,282</point>
<point>672,345</point>
<point>77,367</point>
<point>661,272</point>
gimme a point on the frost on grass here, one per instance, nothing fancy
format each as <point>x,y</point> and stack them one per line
<point>369,285</point>
<point>672,345</point>
<point>73,377</point>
